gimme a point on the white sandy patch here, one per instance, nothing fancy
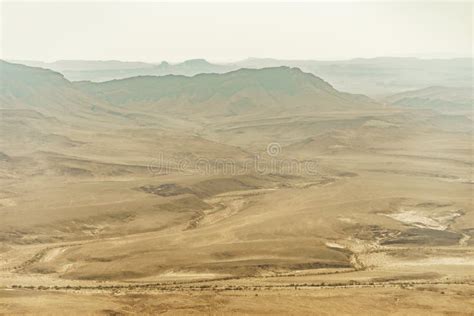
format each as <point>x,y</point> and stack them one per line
<point>53,253</point>
<point>66,267</point>
<point>334,245</point>
<point>346,220</point>
<point>7,202</point>
<point>464,239</point>
<point>462,180</point>
<point>187,275</point>
<point>379,124</point>
<point>451,261</point>
<point>421,220</point>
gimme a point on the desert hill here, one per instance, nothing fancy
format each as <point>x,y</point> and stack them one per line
<point>239,92</point>
<point>447,99</point>
<point>39,89</point>
<point>382,75</point>
<point>375,77</point>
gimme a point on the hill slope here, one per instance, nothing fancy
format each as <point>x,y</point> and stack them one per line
<point>39,89</point>
<point>380,76</point>
<point>436,98</point>
<point>244,91</point>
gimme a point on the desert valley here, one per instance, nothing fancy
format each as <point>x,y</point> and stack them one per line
<point>234,191</point>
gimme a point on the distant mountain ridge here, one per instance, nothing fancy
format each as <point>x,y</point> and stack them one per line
<point>244,91</point>
<point>251,92</point>
<point>38,88</point>
<point>37,104</point>
<point>380,76</point>
<point>245,107</point>
<point>84,65</point>
<point>99,71</point>
<point>436,97</point>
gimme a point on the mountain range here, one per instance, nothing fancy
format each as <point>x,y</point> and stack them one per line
<point>240,92</point>
<point>270,178</point>
<point>372,76</point>
<point>447,99</point>
<point>244,107</point>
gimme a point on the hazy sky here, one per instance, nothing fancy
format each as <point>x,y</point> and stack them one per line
<point>231,31</point>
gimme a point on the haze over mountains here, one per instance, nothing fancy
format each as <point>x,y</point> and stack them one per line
<point>448,99</point>
<point>224,107</point>
<point>157,186</point>
<point>149,167</point>
<point>374,77</point>
<point>77,70</point>
<point>240,92</point>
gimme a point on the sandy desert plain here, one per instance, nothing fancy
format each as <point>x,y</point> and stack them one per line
<point>258,191</point>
